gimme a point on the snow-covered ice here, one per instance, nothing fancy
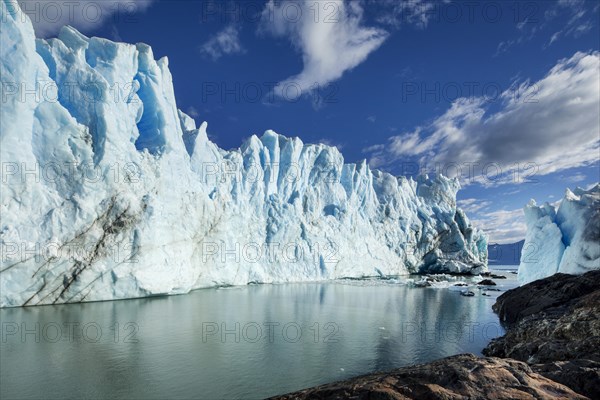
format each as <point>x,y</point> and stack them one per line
<point>110,192</point>
<point>566,240</point>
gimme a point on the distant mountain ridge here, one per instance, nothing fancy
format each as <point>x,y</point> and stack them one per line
<point>505,254</point>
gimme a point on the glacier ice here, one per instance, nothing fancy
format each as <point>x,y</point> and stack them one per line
<point>566,240</point>
<point>110,192</point>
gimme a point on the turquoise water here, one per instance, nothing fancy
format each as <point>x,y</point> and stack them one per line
<point>240,342</point>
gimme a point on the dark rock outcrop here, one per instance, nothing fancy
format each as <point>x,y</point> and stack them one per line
<point>492,275</point>
<point>554,325</point>
<point>583,376</point>
<point>463,376</point>
<point>543,294</point>
<point>566,332</point>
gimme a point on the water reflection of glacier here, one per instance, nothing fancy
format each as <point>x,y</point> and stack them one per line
<point>240,342</point>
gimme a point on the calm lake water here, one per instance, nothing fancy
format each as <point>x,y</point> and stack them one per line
<point>240,342</point>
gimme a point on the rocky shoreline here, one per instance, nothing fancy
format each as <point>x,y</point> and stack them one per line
<point>554,326</point>
<point>551,350</point>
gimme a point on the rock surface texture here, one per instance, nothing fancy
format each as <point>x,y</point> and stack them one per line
<point>459,377</point>
<point>554,326</point>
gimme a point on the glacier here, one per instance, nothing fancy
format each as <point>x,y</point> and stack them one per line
<point>563,238</point>
<point>110,192</point>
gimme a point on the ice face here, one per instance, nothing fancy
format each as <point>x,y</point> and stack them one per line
<point>110,192</point>
<point>567,240</point>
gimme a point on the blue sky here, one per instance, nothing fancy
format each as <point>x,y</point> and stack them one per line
<point>502,94</point>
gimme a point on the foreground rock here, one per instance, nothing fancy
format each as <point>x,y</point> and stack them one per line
<point>554,326</point>
<point>580,375</point>
<point>457,377</point>
<point>556,290</point>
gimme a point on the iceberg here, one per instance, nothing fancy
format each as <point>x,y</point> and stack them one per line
<point>562,239</point>
<point>110,192</point>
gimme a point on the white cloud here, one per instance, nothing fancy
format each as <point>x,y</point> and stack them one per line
<point>371,118</point>
<point>472,206</point>
<point>503,226</point>
<point>400,12</point>
<point>48,17</point>
<point>578,177</point>
<point>225,42</point>
<point>512,192</point>
<point>562,19</point>
<point>550,125</point>
<point>374,148</point>
<point>192,112</point>
<point>578,22</point>
<point>331,143</point>
<point>330,36</point>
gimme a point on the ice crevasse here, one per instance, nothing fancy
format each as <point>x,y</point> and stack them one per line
<point>563,238</point>
<point>110,192</point>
